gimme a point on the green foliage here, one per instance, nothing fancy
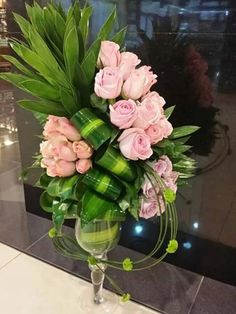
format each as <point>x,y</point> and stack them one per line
<point>107,27</point>
<point>120,36</point>
<point>183,131</point>
<point>169,111</point>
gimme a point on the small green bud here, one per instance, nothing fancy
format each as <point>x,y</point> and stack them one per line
<point>169,195</point>
<point>172,246</point>
<point>125,297</point>
<point>127,264</point>
<point>52,233</point>
<point>92,260</point>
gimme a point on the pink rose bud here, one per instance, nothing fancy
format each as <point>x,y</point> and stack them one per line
<point>170,180</point>
<point>149,112</point>
<point>61,168</point>
<point>58,147</point>
<point>166,126</point>
<point>149,190</point>
<point>155,98</point>
<point>82,149</point>
<point>109,55</point>
<point>128,63</point>
<point>155,133</point>
<point>108,83</point>
<point>135,144</point>
<point>83,165</point>
<point>138,83</point>
<point>60,126</point>
<point>163,167</point>
<point>123,113</point>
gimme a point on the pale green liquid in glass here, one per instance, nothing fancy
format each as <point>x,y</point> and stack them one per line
<point>98,237</point>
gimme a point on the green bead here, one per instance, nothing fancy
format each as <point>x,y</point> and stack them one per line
<point>125,297</point>
<point>127,264</point>
<point>169,195</point>
<point>172,246</point>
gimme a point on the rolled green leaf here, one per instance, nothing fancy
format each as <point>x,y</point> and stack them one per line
<point>95,205</point>
<point>93,129</point>
<point>114,162</point>
<point>103,183</point>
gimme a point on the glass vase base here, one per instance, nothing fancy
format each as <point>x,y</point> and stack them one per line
<point>108,304</point>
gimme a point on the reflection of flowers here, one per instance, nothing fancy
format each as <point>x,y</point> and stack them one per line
<point>183,71</point>
<point>196,70</point>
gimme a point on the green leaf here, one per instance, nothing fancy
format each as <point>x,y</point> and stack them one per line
<point>69,101</point>
<point>23,24</point>
<point>94,48</point>
<point>120,36</point>
<point>84,22</point>
<point>45,107</point>
<point>107,27</point>
<point>41,90</point>
<point>20,66</point>
<point>15,79</point>
<point>99,103</point>
<point>89,66</point>
<point>169,111</point>
<point>43,181</point>
<point>71,49</point>
<point>41,117</point>
<point>36,14</point>
<point>46,202</point>
<point>95,205</point>
<point>183,131</point>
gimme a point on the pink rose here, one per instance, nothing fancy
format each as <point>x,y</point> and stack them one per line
<point>123,113</point>
<point>163,166</point>
<point>149,190</point>
<point>60,125</point>
<point>83,165</point>
<point>128,63</point>
<point>155,133</point>
<point>47,162</point>
<point>154,97</point>
<point>61,168</point>
<point>58,147</point>
<point>109,55</point>
<point>138,83</point>
<point>149,112</point>
<point>135,144</point>
<point>82,149</point>
<point>166,127</point>
<point>148,209</point>
<point>108,83</point>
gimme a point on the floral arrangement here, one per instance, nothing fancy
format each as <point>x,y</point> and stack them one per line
<point>109,150</point>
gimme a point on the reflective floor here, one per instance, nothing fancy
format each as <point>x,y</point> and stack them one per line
<point>191,45</point>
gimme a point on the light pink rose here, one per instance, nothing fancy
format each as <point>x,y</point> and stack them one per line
<point>149,112</point>
<point>163,166</point>
<point>138,83</point>
<point>60,125</point>
<point>82,149</point>
<point>58,147</point>
<point>166,126</point>
<point>128,63</point>
<point>123,113</point>
<point>83,165</point>
<point>154,97</point>
<point>108,83</point>
<point>61,168</point>
<point>47,162</point>
<point>149,190</point>
<point>109,55</point>
<point>135,144</point>
<point>155,133</point>
<point>148,209</point>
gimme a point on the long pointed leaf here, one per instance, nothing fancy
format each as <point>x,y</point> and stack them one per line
<point>45,107</point>
<point>120,36</point>
<point>107,27</point>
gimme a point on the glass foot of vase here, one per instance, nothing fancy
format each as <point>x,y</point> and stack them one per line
<point>108,304</point>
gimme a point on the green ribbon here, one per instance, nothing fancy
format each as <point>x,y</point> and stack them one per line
<point>103,183</point>
<point>114,162</point>
<point>93,129</point>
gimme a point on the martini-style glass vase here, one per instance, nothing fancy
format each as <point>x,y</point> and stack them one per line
<point>97,238</point>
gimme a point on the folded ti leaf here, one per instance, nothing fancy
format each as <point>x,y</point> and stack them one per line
<point>103,183</point>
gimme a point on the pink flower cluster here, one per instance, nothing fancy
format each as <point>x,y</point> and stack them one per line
<point>64,152</point>
<point>152,203</point>
<point>140,113</point>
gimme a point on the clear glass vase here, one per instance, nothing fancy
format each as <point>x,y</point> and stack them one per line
<point>97,238</point>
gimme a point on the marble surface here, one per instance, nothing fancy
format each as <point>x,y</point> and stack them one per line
<point>31,286</point>
<point>7,254</point>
